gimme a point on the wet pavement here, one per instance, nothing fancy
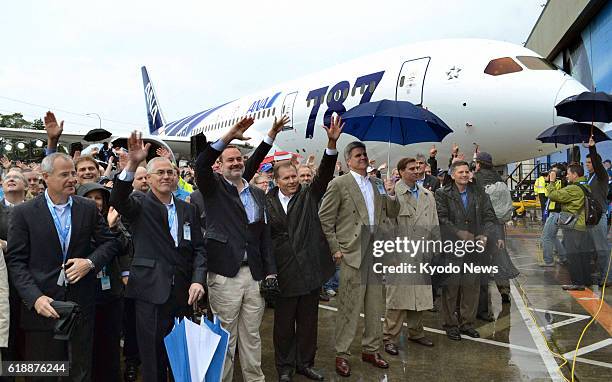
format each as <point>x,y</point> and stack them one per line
<point>542,319</point>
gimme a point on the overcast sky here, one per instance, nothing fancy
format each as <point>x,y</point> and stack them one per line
<point>79,57</point>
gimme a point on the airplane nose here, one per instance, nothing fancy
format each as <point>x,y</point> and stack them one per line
<point>569,88</point>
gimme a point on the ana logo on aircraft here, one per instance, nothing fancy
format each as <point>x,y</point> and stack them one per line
<point>262,104</point>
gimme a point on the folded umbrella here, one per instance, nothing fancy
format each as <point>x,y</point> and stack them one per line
<point>215,370</point>
<point>587,107</point>
<point>572,133</point>
<point>70,313</point>
<point>178,355</point>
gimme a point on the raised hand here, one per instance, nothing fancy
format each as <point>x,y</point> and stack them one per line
<point>455,149</point>
<point>54,130</point>
<point>113,217</point>
<point>137,151</point>
<point>5,162</point>
<point>237,131</point>
<point>433,151</point>
<point>335,129</point>
<point>164,153</point>
<point>390,187</point>
<point>278,125</point>
<point>591,141</point>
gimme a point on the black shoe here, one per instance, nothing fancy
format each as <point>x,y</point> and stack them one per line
<point>505,298</point>
<point>453,333</point>
<point>573,287</point>
<point>284,378</point>
<point>310,373</point>
<point>323,297</point>
<point>470,332</point>
<point>131,373</point>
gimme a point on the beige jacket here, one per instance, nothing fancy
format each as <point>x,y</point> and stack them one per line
<point>343,213</point>
<point>4,303</point>
<point>418,221</point>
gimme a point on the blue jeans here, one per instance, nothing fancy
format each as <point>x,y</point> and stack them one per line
<point>599,241</point>
<point>334,281</point>
<point>550,240</point>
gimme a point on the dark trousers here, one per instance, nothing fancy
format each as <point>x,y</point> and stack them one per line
<point>295,331</point>
<point>130,343</point>
<point>579,250</point>
<point>153,323</point>
<point>460,295</point>
<point>16,342</point>
<point>40,346</point>
<point>107,337</point>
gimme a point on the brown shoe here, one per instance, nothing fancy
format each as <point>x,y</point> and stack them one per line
<point>422,341</point>
<point>375,359</point>
<point>342,367</point>
<point>391,348</point>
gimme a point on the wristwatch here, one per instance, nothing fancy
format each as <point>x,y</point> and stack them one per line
<point>91,264</point>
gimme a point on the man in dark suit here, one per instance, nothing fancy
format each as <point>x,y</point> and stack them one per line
<point>303,259</point>
<point>429,182</point>
<point>169,265</point>
<point>56,244</point>
<point>238,244</point>
<point>466,215</point>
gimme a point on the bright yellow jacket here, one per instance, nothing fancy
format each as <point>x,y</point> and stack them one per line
<point>539,187</point>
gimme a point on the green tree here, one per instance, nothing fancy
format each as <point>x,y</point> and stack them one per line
<point>14,121</point>
<point>38,124</point>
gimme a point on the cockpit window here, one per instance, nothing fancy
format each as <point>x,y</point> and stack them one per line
<point>536,63</point>
<point>501,66</point>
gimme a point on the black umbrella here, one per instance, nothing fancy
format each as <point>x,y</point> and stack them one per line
<point>96,135</point>
<point>587,107</point>
<point>572,133</point>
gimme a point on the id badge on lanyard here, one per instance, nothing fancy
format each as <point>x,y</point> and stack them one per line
<point>63,232</point>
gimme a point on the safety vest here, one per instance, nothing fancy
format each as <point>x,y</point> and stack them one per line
<point>539,186</point>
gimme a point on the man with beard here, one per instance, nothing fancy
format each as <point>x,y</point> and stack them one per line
<point>302,258</point>
<point>238,243</point>
<point>140,180</point>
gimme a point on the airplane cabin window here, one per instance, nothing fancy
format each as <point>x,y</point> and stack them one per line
<point>268,112</point>
<point>345,93</point>
<point>501,66</point>
<point>353,91</point>
<point>401,82</point>
<point>372,86</point>
<point>274,109</point>
<point>337,95</point>
<point>536,63</point>
<point>362,89</point>
<point>308,102</point>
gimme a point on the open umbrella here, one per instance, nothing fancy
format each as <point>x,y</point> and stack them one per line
<point>398,122</point>
<point>587,107</point>
<point>96,135</point>
<point>572,133</point>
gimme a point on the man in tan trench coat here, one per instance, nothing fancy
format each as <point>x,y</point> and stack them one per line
<point>352,201</point>
<point>409,295</point>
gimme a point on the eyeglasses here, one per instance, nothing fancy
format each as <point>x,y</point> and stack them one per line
<point>164,172</point>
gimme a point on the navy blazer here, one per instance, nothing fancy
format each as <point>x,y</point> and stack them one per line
<point>158,264</point>
<point>34,254</point>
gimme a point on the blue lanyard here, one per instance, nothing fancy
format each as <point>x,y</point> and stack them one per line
<point>62,231</point>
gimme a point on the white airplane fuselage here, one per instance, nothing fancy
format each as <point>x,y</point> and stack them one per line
<point>501,113</point>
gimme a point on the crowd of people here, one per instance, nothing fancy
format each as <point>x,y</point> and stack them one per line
<point>137,240</point>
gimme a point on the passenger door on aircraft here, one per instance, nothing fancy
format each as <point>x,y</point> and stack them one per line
<point>287,109</point>
<point>411,80</point>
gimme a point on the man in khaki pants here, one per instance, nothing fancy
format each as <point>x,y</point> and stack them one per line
<point>352,201</point>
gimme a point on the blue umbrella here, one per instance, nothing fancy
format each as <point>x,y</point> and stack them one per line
<point>398,122</point>
<point>176,348</point>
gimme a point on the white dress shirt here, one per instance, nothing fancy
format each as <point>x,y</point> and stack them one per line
<point>368,193</point>
<point>284,200</point>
